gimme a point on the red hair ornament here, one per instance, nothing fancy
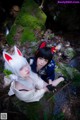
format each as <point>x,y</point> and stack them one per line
<point>53,50</point>
<point>42,45</point>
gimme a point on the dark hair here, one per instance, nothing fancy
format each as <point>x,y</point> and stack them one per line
<point>44,53</point>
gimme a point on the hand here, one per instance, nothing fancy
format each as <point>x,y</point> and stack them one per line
<point>62,78</point>
<point>50,81</point>
<point>50,87</point>
<point>65,79</point>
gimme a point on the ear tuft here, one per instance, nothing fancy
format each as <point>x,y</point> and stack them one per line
<point>19,52</point>
<point>7,57</point>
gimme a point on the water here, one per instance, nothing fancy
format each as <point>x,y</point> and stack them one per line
<point>62,99</point>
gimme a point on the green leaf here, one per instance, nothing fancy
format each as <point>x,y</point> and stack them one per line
<point>7,72</point>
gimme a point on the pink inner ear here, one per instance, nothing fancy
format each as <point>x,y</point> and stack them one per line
<point>19,52</point>
<point>8,57</point>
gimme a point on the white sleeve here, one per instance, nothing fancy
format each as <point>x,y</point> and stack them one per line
<point>9,79</point>
<point>39,83</point>
<point>29,96</point>
<point>26,96</point>
<point>11,89</point>
<point>13,77</point>
<point>38,95</point>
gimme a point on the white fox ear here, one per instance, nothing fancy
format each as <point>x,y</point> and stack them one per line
<point>7,57</point>
<point>17,51</point>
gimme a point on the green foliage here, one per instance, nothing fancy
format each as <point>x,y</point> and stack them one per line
<point>61,69</point>
<point>69,52</point>
<point>30,20</point>
<point>41,110</point>
<point>7,72</point>
<point>69,72</point>
<point>76,79</point>
<point>31,110</point>
<point>27,35</point>
<point>59,116</point>
<point>27,20</point>
<point>10,39</point>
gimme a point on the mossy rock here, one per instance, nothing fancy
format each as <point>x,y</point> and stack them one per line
<point>30,18</point>
<point>42,110</point>
<point>70,73</point>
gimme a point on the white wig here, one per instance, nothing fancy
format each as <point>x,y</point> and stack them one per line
<point>14,62</point>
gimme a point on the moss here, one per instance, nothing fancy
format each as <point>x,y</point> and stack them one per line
<point>30,18</point>
<point>71,74</point>
<point>7,72</point>
<point>10,37</point>
<point>41,110</point>
<point>59,116</point>
<point>27,35</point>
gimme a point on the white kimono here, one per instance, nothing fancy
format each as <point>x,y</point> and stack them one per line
<point>35,88</point>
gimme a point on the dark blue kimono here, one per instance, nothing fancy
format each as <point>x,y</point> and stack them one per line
<point>47,72</point>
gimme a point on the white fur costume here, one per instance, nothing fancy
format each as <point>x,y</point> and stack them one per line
<point>34,85</point>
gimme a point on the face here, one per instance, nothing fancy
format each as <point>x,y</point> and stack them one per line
<point>41,62</point>
<point>25,71</point>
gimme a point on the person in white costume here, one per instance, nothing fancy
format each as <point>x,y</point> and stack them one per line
<point>26,85</point>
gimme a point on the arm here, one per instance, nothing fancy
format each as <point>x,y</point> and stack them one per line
<point>57,81</point>
<point>39,83</point>
<point>26,96</point>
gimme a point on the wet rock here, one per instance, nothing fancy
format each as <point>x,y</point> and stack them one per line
<point>75,62</point>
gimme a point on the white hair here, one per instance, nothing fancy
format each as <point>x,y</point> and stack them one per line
<point>15,63</point>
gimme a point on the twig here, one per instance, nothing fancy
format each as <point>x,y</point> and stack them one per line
<point>41,6</point>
